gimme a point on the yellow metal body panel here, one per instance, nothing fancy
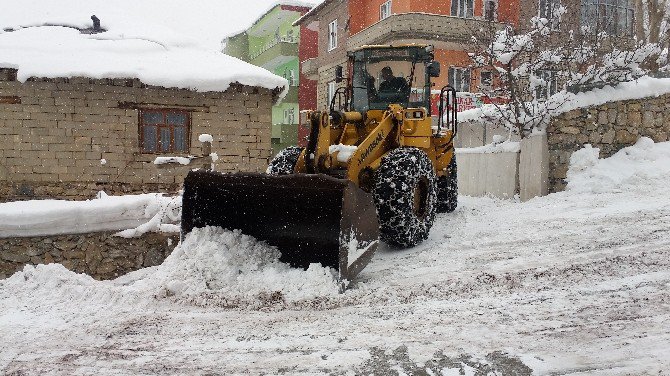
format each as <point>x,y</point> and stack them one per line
<point>375,134</point>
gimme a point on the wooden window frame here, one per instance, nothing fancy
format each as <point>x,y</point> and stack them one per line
<point>165,112</point>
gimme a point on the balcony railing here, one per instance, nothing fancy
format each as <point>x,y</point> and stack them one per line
<point>283,39</point>
<point>419,28</point>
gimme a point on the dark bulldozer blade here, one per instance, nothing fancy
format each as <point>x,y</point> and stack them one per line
<point>310,218</point>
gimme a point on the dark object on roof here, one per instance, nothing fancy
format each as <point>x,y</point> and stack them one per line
<point>96,23</point>
<point>96,27</point>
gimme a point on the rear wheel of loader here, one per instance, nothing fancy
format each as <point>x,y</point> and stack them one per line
<point>405,196</point>
<point>447,189</point>
<point>284,162</point>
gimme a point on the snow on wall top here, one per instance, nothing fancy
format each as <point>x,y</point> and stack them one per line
<point>167,43</point>
<point>643,87</point>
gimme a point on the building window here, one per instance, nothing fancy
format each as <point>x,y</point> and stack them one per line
<point>289,116</point>
<point>616,17</point>
<point>330,93</point>
<point>548,9</point>
<point>332,35</point>
<point>462,8</point>
<point>490,10</point>
<point>164,130</point>
<point>548,84</point>
<point>385,10</point>
<point>459,78</point>
<point>486,79</point>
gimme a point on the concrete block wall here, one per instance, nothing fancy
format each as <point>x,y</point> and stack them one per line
<point>58,130</point>
<point>609,127</point>
<point>488,174</point>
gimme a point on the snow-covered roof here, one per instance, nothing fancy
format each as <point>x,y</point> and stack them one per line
<point>303,4</point>
<point>168,43</point>
<point>54,51</point>
<point>312,12</point>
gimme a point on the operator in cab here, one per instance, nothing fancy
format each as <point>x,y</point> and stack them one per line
<point>391,83</point>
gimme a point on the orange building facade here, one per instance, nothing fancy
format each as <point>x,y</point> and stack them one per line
<point>448,25</point>
<point>451,54</point>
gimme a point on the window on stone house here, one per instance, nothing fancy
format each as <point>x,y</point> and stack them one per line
<point>462,8</point>
<point>385,10</point>
<point>616,17</point>
<point>549,9</point>
<point>332,35</point>
<point>490,10</point>
<point>164,130</point>
<point>548,84</point>
<point>459,78</point>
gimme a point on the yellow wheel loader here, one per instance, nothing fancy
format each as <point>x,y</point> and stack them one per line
<point>375,167</point>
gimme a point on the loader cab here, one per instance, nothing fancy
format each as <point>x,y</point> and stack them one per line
<point>383,75</point>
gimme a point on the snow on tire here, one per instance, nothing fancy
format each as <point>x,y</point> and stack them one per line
<point>447,189</point>
<point>405,196</point>
<point>284,162</point>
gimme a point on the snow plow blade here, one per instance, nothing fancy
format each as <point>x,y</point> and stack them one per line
<point>310,218</point>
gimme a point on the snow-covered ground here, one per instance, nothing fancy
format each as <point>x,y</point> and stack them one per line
<point>572,283</point>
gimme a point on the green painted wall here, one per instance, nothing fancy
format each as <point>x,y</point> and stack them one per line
<point>256,39</point>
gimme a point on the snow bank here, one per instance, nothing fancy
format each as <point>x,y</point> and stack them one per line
<point>506,146</point>
<point>632,168</point>
<point>211,264</point>
<point>235,266</point>
<point>56,217</point>
<point>563,101</point>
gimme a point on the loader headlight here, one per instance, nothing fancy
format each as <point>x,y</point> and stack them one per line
<point>414,115</point>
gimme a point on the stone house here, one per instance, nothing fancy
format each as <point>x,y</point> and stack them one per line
<point>93,116</point>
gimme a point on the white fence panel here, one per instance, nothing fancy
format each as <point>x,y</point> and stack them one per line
<point>482,174</point>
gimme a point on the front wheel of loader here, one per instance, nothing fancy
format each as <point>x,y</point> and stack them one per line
<point>405,196</point>
<point>284,162</point>
<point>447,189</point>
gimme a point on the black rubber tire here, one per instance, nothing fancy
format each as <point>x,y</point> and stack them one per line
<point>405,196</point>
<point>284,162</point>
<point>447,189</point>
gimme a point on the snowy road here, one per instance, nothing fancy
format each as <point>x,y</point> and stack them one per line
<point>572,283</point>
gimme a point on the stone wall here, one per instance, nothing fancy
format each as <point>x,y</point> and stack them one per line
<point>99,255</point>
<point>609,127</point>
<point>59,130</point>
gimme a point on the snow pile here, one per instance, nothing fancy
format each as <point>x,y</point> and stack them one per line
<point>344,152</point>
<point>56,217</point>
<point>506,146</point>
<point>211,264</point>
<point>165,219</point>
<point>632,168</point>
<point>205,137</point>
<point>181,160</point>
<point>235,267</point>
